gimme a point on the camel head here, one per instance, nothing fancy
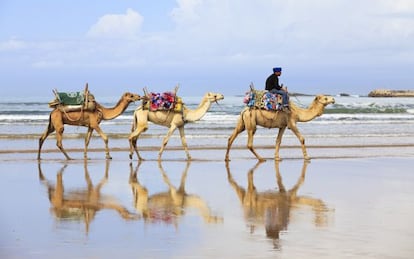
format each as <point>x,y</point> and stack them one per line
<point>324,99</point>
<point>214,97</point>
<point>130,97</point>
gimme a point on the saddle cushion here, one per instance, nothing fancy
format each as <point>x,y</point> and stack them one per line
<point>71,98</point>
<point>164,101</point>
<point>73,101</point>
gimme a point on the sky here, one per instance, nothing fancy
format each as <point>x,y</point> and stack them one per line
<point>323,46</point>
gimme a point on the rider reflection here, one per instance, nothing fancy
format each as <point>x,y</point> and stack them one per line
<point>273,208</point>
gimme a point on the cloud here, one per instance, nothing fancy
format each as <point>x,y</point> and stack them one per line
<point>295,30</point>
<point>117,26</point>
<point>209,39</point>
<point>186,11</point>
<point>12,45</point>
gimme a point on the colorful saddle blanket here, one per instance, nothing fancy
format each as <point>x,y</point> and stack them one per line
<point>164,101</point>
<point>263,99</point>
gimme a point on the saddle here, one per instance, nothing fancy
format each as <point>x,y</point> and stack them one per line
<point>263,99</point>
<point>73,101</point>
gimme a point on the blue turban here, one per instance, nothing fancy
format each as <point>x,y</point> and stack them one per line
<point>277,69</point>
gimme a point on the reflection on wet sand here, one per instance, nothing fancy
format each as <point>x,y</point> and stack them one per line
<point>272,208</point>
<point>170,205</point>
<point>81,204</point>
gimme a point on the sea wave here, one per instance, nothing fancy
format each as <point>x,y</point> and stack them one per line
<point>227,112</point>
<point>220,119</point>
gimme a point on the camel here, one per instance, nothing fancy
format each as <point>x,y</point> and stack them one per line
<point>89,119</point>
<point>167,206</point>
<point>273,208</point>
<point>251,117</point>
<point>170,119</point>
<point>81,204</point>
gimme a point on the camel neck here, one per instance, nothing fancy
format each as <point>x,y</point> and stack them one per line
<point>112,113</point>
<point>304,115</point>
<point>199,112</point>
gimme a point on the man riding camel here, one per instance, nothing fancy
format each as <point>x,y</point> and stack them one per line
<point>272,85</point>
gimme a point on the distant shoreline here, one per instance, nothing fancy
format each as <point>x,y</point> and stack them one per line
<point>391,93</point>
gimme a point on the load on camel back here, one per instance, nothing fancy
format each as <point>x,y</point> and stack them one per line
<point>263,99</point>
<point>73,101</point>
<point>167,101</point>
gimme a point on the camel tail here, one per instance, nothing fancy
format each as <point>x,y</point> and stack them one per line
<point>134,122</point>
<point>50,128</point>
<point>135,119</point>
<point>242,118</point>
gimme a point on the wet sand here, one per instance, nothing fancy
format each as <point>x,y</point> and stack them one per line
<point>349,201</point>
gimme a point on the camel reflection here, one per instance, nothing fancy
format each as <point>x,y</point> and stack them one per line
<point>81,204</point>
<point>272,208</point>
<point>168,206</point>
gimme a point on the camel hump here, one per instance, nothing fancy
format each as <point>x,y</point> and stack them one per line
<point>263,99</point>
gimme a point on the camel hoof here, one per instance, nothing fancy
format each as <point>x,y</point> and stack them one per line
<point>130,156</point>
<point>108,157</point>
<point>307,158</point>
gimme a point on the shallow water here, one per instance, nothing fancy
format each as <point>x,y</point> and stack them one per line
<point>329,208</point>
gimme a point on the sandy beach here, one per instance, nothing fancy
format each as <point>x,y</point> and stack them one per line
<point>349,201</point>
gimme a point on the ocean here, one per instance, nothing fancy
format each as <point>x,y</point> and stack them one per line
<point>352,120</point>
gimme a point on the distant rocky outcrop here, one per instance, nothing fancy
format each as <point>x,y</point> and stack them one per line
<point>391,93</point>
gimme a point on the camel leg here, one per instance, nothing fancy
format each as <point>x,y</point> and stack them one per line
<point>278,142</point>
<point>280,185</point>
<point>165,141</point>
<point>87,140</point>
<point>133,137</point>
<point>302,141</point>
<point>59,137</point>
<point>250,135</point>
<point>104,180</point>
<point>42,139</point>
<point>139,125</point>
<point>105,139</point>
<point>184,142</point>
<point>139,192</point>
<point>239,190</point>
<point>300,181</point>
<point>239,129</point>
